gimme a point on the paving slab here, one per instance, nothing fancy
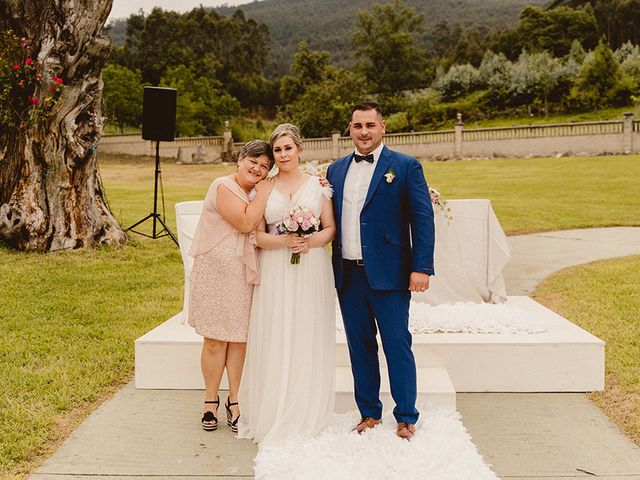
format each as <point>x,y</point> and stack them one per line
<point>156,433</point>
<point>535,257</point>
<point>547,435</point>
<point>151,433</point>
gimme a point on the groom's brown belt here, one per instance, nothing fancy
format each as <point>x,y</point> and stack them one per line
<point>359,262</point>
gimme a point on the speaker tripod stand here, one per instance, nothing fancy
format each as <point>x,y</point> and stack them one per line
<point>157,218</point>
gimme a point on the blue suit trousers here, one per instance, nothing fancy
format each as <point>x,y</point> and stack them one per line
<point>365,311</point>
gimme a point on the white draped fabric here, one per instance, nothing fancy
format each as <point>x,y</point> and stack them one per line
<point>471,253</point>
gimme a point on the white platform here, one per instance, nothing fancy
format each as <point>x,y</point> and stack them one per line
<point>434,387</point>
<point>565,358</point>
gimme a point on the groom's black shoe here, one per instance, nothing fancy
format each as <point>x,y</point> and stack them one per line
<point>366,423</point>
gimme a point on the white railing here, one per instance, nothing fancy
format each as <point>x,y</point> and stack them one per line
<point>413,138</point>
<point>607,136</point>
<point>542,131</point>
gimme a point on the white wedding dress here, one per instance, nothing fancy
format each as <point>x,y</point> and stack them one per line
<point>288,383</point>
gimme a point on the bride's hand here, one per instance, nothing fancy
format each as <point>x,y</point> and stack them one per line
<point>291,240</point>
<point>301,245</point>
<point>304,245</point>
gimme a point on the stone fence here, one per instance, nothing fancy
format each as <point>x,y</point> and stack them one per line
<point>584,138</point>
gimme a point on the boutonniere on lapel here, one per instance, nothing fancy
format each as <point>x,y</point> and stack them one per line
<point>390,176</point>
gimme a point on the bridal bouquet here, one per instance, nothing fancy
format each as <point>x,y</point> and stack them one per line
<point>300,221</point>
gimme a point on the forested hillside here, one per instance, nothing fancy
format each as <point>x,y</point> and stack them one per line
<point>329,24</point>
<point>308,61</point>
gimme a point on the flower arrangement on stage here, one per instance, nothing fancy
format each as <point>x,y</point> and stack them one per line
<point>300,221</point>
<point>440,203</point>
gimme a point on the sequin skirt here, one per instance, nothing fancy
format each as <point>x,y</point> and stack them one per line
<point>220,297</point>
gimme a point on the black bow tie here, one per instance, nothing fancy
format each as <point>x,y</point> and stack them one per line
<point>366,158</point>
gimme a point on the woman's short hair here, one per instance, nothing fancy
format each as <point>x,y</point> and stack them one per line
<point>255,149</point>
<point>286,130</point>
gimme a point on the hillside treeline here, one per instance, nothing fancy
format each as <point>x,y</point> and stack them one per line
<point>571,56</point>
<point>329,25</point>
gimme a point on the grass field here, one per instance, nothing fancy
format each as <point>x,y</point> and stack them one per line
<point>68,320</point>
<point>591,116</point>
<point>604,299</point>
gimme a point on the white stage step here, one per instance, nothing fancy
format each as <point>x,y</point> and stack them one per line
<point>565,358</point>
<point>434,387</point>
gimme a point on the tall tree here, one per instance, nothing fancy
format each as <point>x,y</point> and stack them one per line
<point>318,97</point>
<point>387,46</point>
<point>555,30</point>
<point>535,77</point>
<point>51,196</point>
<point>325,107</point>
<point>618,20</point>
<point>309,68</point>
<point>224,49</point>
<point>202,108</point>
<point>122,99</point>
<point>600,82</point>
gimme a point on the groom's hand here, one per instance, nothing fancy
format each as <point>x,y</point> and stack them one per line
<point>418,282</point>
<point>324,182</point>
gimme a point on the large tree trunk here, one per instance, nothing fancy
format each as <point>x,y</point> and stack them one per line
<point>51,195</point>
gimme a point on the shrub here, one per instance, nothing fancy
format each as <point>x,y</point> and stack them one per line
<point>397,122</point>
<point>457,82</point>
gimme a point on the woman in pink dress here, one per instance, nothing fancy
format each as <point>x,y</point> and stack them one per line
<point>225,269</point>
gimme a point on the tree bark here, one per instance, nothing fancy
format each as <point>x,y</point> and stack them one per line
<point>51,194</point>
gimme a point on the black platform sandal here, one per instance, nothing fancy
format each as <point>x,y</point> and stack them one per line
<point>234,424</point>
<point>209,419</point>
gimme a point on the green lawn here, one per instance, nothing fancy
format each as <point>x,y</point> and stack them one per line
<point>591,116</point>
<point>68,320</point>
<point>604,299</point>
<point>542,194</point>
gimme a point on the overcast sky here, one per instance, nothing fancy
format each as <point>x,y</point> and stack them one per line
<point>124,8</point>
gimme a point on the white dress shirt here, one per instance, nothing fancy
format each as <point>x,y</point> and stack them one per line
<point>356,185</point>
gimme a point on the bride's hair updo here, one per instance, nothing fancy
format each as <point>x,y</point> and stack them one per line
<point>286,130</point>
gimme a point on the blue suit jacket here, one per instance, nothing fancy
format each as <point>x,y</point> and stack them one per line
<point>396,223</point>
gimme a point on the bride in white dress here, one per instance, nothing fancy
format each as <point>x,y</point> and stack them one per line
<point>288,384</point>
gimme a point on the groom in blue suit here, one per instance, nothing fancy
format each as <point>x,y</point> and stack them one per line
<point>382,252</point>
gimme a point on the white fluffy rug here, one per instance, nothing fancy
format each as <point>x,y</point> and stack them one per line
<point>467,317</point>
<point>440,450</point>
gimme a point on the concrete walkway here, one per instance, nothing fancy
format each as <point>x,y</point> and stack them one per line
<point>155,433</point>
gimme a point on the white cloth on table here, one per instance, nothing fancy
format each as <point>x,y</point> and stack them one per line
<point>470,255</point>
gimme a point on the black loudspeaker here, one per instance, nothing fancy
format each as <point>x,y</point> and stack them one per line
<point>159,114</point>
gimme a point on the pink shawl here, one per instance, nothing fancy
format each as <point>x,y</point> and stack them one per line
<point>214,230</point>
